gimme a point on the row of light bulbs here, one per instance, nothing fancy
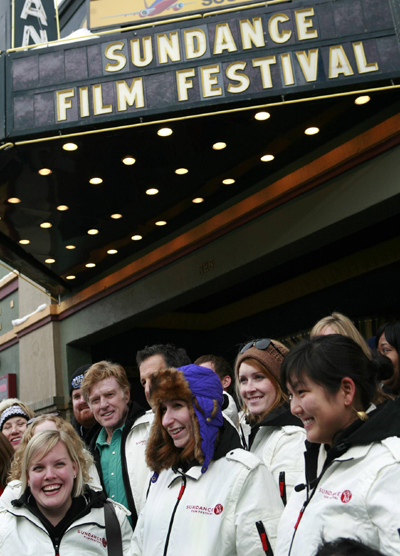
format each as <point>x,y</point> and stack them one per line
<point>130,160</point>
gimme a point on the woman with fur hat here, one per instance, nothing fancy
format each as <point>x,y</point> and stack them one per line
<point>270,430</point>
<point>207,495</point>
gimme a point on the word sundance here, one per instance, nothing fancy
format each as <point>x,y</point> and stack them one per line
<point>194,84</point>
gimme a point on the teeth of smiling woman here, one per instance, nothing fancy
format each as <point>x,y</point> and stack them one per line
<point>306,421</point>
<point>176,431</point>
<point>51,488</point>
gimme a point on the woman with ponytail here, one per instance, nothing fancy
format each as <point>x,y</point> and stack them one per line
<point>353,449</point>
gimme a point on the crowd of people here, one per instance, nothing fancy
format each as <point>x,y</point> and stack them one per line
<point>289,452</point>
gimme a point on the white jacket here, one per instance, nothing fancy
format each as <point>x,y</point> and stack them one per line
<point>231,411</point>
<point>357,497</point>
<point>21,532</point>
<point>217,512</point>
<point>133,459</point>
<point>281,449</point>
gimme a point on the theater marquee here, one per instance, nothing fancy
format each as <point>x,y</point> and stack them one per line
<point>258,53</point>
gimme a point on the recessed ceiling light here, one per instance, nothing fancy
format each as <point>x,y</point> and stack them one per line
<point>262,116</point>
<point>137,237</point>
<point>62,207</point>
<point>311,131</point>
<point>95,181</point>
<point>362,99</point>
<point>70,146</point>
<point>14,200</point>
<point>24,241</point>
<point>70,247</point>
<point>112,251</point>
<point>197,200</point>
<point>228,181</point>
<point>181,171</point>
<point>93,232</point>
<point>70,277</point>
<point>46,225</point>
<point>267,158</point>
<point>161,223</point>
<point>44,171</point>
<point>164,132</point>
<point>90,265</point>
<point>116,216</point>
<point>50,261</point>
<point>129,160</point>
<point>219,146</point>
<point>152,191</point>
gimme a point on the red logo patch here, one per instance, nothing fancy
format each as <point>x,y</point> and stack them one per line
<point>346,496</point>
<point>218,509</point>
<point>104,542</point>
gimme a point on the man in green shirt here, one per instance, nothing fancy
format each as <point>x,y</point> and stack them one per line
<point>119,447</point>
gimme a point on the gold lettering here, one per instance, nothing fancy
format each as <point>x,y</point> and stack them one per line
<point>304,24</point>
<point>111,53</point>
<point>252,33</point>
<point>287,69</point>
<point>361,60</point>
<point>128,96</point>
<point>209,81</point>
<point>98,106</point>
<point>195,43</point>
<point>308,62</point>
<point>265,67</point>
<point>168,47</point>
<point>63,104</point>
<point>338,62</point>
<point>84,101</point>
<point>273,27</point>
<point>242,78</point>
<point>184,83</point>
<point>138,59</point>
<point>223,39</point>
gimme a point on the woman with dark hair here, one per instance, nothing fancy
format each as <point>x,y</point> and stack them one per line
<point>387,342</point>
<point>207,495</point>
<point>353,449</point>
<point>6,455</point>
<point>274,434</point>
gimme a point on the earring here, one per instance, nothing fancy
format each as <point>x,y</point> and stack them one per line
<point>74,476</point>
<point>361,415</point>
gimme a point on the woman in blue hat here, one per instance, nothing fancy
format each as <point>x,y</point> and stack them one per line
<point>207,495</point>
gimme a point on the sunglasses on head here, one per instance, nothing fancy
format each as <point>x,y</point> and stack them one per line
<point>262,345</point>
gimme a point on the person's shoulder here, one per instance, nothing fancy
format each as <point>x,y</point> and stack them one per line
<point>12,491</point>
<point>243,457</point>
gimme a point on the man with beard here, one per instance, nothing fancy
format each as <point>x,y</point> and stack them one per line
<point>83,420</point>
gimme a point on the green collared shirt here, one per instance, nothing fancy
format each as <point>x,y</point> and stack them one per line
<point>111,465</point>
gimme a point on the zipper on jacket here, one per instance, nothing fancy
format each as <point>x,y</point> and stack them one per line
<point>264,538</point>
<point>181,491</point>
<point>282,487</point>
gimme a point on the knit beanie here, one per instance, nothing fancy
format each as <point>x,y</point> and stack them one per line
<point>271,358</point>
<point>77,378</point>
<point>10,412</point>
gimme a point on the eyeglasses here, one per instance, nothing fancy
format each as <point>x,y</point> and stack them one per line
<point>262,345</point>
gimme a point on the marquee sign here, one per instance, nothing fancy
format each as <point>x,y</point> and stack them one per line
<point>35,22</point>
<point>259,53</point>
<point>103,13</point>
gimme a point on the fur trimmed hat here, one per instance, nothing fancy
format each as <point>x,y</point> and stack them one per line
<point>271,357</point>
<point>201,389</point>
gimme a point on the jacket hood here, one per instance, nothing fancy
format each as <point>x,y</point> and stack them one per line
<point>279,417</point>
<point>94,499</point>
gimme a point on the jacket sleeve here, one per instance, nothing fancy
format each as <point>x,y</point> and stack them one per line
<point>137,539</point>
<point>259,503</point>
<point>384,509</point>
<point>288,457</point>
<point>126,531</point>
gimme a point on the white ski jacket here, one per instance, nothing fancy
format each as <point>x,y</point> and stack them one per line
<point>22,532</point>
<point>357,495</point>
<point>229,510</point>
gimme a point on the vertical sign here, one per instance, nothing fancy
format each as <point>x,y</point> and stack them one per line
<point>34,22</point>
<point>8,386</point>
